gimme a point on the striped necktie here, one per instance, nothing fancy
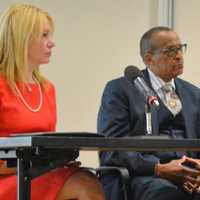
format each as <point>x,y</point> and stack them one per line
<point>171,99</point>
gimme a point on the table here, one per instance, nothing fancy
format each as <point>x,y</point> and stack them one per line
<point>38,153</point>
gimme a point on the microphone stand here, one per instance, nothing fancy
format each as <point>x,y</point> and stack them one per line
<point>151,102</point>
<point>148,119</point>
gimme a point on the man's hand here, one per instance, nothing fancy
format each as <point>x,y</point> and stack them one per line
<point>195,185</point>
<point>177,173</point>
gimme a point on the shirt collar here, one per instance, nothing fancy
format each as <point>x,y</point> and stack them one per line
<point>157,82</point>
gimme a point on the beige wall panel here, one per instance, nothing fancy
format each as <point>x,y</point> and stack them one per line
<point>95,41</point>
<point>187,24</point>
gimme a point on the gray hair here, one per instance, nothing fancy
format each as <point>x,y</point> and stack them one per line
<point>146,43</point>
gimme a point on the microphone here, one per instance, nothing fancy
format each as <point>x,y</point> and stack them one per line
<point>135,76</point>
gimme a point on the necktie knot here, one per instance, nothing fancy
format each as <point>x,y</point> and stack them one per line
<point>167,88</point>
<point>171,99</point>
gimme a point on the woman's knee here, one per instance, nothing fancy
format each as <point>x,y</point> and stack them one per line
<point>88,184</point>
<point>82,185</point>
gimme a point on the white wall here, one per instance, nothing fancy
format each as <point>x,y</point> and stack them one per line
<point>187,24</point>
<point>95,41</point>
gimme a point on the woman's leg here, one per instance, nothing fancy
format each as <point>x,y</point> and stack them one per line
<point>82,185</point>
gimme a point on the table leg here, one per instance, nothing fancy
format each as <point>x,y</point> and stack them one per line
<point>23,181</point>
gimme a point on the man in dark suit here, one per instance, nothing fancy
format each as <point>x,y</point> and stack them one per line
<point>154,175</point>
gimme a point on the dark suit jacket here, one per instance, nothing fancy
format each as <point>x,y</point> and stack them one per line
<point>122,114</point>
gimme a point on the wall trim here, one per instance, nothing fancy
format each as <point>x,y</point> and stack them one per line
<point>166,13</point>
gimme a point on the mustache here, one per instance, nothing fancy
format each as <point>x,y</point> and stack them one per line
<point>179,63</point>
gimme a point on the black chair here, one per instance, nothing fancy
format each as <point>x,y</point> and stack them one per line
<point>121,179</point>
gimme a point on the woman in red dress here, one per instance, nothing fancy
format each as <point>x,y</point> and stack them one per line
<point>27,103</point>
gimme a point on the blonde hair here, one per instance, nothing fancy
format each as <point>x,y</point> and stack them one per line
<point>19,25</point>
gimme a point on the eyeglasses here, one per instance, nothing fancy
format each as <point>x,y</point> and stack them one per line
<point>172,51</point>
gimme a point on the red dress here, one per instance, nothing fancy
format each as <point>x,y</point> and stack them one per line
<point>15,117</point>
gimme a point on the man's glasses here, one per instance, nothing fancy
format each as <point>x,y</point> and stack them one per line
<point>172,51</point>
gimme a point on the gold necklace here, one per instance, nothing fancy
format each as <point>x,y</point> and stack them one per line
<point>24,101</point>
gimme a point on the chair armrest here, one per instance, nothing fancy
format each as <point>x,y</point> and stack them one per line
<point>123,174</point>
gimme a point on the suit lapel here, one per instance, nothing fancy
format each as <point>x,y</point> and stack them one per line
<point>186,110</point>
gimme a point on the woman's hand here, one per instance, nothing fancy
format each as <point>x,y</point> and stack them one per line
<point>4,170</point>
